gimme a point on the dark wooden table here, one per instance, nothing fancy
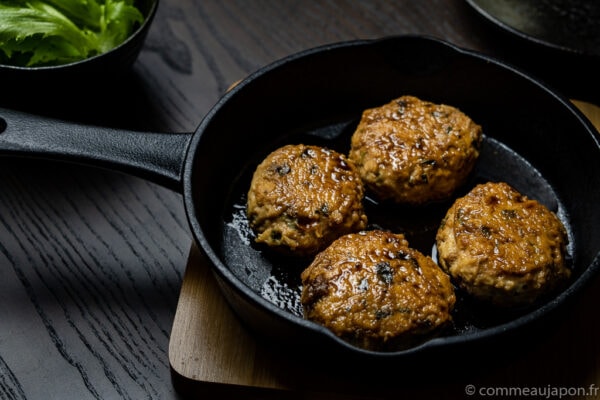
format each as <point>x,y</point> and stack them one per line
<point>92,261</point>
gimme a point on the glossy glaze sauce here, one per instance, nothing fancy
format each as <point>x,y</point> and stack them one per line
<point>277,278</point>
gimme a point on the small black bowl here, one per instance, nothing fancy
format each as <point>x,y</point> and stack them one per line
<point>40,81</point>
<point>557,40</point>
<point>569,26</point>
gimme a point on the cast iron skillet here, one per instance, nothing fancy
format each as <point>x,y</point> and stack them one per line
<point>534,139</point>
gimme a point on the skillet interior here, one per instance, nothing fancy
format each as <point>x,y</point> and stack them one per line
<point>534,140</point>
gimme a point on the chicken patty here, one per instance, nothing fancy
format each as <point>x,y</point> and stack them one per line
<point>373,290</point>
<point>502,247</point>
<point>413,152</point>
<point>303,197</point>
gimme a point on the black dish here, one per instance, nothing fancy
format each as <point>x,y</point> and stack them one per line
<point>535,140</point>
<point>571,26</point>
<point>15,79</point>
<point>556,40</point>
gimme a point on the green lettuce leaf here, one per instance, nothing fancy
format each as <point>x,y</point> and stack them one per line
<point>51,32</point>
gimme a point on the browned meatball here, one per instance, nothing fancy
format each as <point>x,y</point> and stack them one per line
<point>502,247</point>
<point>412,151</point>
<point>373,290</point>
<point>303,197</point>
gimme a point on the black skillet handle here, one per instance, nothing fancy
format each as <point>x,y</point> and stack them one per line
<point>157,157</point>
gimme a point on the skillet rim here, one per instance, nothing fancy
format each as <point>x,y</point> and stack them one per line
<point>223,272</point>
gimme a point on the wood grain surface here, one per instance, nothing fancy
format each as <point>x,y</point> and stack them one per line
<point>92,261</point>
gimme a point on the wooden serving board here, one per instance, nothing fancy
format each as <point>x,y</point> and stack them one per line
<point>208,344</point>
<point>211,352</point>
